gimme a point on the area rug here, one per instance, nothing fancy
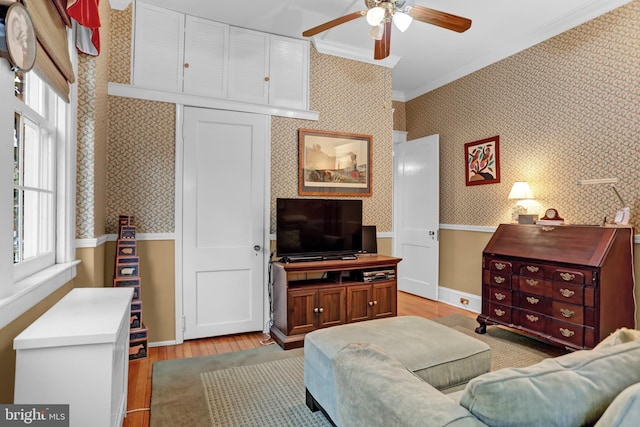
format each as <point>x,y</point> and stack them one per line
<point>264,386</point>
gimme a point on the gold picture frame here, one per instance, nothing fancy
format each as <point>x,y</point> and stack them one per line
<point>334,163</point>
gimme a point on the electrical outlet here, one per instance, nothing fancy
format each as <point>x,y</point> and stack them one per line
<point>464,301</point>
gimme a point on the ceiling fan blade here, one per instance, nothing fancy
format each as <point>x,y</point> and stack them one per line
<point>333,23</point>
<point>382,47</point>
<point>440,19</point>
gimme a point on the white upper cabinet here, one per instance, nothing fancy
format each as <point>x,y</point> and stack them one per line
<point>174,52</point>
<point>248,66</point>
<point>206,56</point>
<point>159,48</point>
<point>288,72</point>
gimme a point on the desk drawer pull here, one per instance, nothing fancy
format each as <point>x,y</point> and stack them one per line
<point>533,300</point>
<point>567,313</point>
<point>532,318</point>
<point>499,279</point>
<point>533,268</point>
<point>500,266</point>
<point>500,296</point>
<point>532,282</point>
<point>567,333</point>
<point>499,312</point>
<point>567,293</point>
<point>567,276</point>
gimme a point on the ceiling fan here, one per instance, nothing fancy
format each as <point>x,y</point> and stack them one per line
<point>380,14</point>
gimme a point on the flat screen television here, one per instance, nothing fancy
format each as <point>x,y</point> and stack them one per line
<point>312,228</point>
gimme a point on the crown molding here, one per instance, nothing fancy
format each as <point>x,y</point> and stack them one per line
<point>355,54</point>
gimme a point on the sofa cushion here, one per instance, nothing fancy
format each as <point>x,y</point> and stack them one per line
<point>620,336</point>
<point>375,390</point>
<point>441,356</point>
<point>570,390</point>
<point>624,411</point>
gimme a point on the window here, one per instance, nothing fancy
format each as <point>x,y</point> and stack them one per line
<point>37,191</point>
<point>37,115</point>
<point>37,174</point>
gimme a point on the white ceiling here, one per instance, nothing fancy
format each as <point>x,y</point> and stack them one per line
<point>424,57</point>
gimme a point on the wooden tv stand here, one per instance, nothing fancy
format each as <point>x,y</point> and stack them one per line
<point>311,295</point>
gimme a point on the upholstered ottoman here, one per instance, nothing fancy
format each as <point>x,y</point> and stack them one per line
<point>441,356</point>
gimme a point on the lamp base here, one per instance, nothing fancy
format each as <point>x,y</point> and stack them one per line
<point>516,211</point>
<point>527,219</point>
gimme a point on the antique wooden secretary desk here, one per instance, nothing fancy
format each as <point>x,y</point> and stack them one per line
<point>568,285</point>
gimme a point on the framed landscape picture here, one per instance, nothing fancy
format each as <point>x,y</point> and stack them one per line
<point>334,163</point>
<point>482,161</point>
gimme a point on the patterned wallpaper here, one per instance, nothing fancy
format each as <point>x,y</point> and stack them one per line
<point>351,97</point>
<point>92,135</point>
<point>120,60</point>
<point>399,115</point>
<point>565,109</point>
<point>85,179</point>
<point>141,164</point>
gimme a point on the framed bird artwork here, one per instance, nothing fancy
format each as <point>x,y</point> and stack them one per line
<point>482,161</point>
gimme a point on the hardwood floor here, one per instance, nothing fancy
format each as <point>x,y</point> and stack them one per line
<point>139,394</point>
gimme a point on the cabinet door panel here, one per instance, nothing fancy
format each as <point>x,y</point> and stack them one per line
<point>288,72</point>
<point>332,307</point>
<point>159,48</point>
<point>248,65</point>
<point>206,57</point>
<point>358,298</point>
<point>384,299</point>
<point>301,311</point>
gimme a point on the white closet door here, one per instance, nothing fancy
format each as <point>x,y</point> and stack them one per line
<point>158,48</point>
<point>206,57</point>
<point>288,72</point>
<point>248,66</point>
<point>223,222</point>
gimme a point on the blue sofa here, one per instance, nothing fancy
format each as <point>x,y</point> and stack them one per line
<point>598,387</point>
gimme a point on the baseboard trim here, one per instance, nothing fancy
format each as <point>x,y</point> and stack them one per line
<point>452,297</point>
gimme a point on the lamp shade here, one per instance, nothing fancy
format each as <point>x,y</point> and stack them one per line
<point>376,32</point>
<point>520,191</point>
<point>402,21</point>
<point>375,15</point>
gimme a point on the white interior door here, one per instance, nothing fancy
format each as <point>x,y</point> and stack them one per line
<point>223,222</point>
<point>417,217</point>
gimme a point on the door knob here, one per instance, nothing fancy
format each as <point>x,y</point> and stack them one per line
<point>257,248</point>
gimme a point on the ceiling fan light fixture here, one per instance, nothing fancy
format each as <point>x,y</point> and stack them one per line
<point>375,16</point>
<point>402,21</point>
<point>376,32</point>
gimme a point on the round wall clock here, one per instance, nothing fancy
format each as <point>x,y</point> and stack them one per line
<point>20,37</point>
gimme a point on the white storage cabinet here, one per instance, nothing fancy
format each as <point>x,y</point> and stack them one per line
<point>77,354</point>
<point>174,52</point>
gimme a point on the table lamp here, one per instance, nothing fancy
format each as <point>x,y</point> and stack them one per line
<point>520,192</point>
